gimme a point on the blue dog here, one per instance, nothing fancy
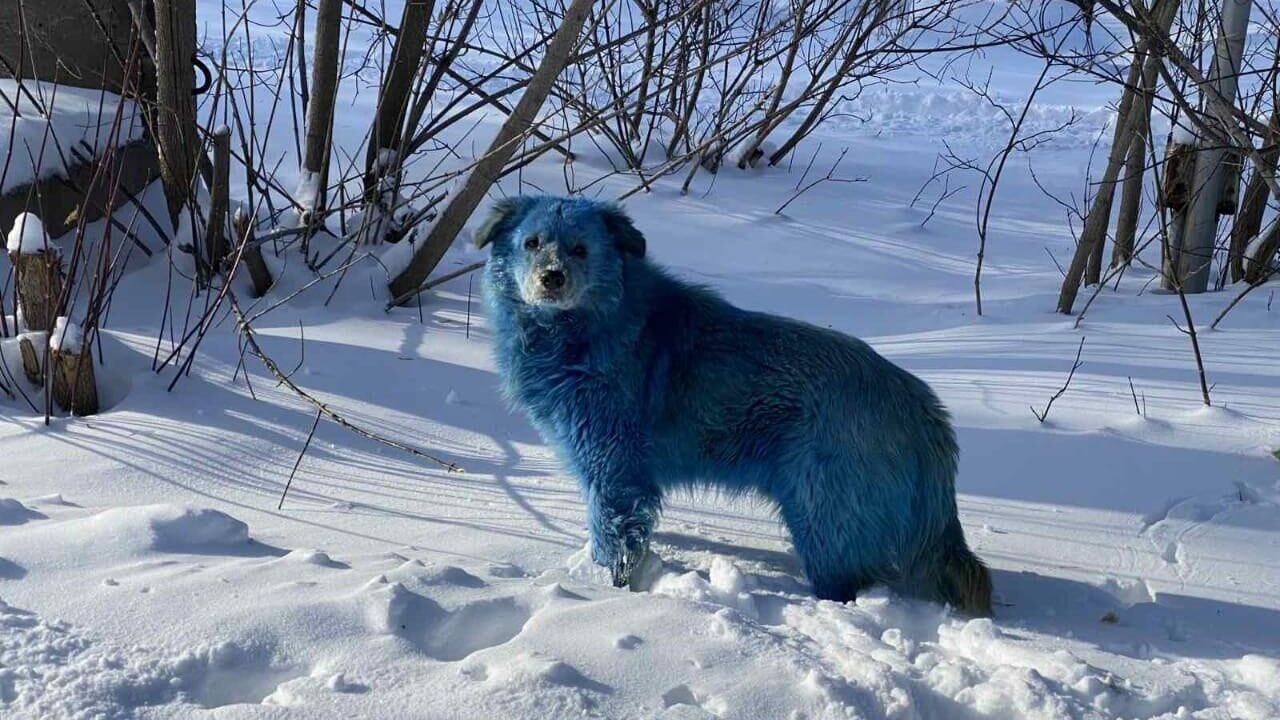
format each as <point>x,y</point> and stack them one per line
<point>645,384</point>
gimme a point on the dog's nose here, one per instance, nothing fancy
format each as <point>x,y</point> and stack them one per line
<point>553,279</point>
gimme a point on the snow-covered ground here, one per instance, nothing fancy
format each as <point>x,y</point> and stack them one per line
<point>146,572</point>
<point>55,125</point>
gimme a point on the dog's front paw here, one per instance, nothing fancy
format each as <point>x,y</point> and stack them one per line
<point>630,557</point>
<point>620,556</point>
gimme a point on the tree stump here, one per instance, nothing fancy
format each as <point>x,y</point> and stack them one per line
<point>39,288</point>
<point>219,193</point>
<point>31,361</point>
<point>74,387</point>
<point>252,254</point>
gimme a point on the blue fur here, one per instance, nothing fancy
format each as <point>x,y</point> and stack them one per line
<point>648,384</point>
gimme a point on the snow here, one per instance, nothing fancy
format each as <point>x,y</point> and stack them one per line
<point>308,191</point>
<point>145,570</point>
<point>963,116</point>
<point>13,512</point>
<point>1254,249</point>
<point>66,336</point>
<point>1182,134</point>
<point>54,123</point>
<point>27,236</point>
<point>165,583</point>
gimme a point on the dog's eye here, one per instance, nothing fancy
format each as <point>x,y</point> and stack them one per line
<point>532,242</point>
<point>579,251</point>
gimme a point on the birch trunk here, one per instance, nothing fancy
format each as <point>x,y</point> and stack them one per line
<point>1201,223</point>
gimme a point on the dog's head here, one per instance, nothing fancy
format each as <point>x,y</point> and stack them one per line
<point>560,253</point>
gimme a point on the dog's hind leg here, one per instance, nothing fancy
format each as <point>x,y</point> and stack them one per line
<point>834,571</point>
<point>954,575</point>
<point>838,557</point>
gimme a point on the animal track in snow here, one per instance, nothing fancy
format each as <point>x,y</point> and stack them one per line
<point>627,642</point>
<point>474,627</point>
<point>13,512</point>
<point>682,703</point>
<point>447,635</point>
<point>228,674</point>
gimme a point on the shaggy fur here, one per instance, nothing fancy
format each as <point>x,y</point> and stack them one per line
<point>645,384</point>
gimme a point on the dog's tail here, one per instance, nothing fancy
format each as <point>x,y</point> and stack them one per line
<point>963,581</point>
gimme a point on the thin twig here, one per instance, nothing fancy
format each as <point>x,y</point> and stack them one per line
<point>251,340</point>
<point>1074,366</point>
<point>296,463</point>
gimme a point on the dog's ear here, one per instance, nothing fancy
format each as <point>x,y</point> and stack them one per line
<point>504,214</point>
<point>630,240</point>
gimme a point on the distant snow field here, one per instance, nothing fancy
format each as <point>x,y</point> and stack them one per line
<point>1134,536</point>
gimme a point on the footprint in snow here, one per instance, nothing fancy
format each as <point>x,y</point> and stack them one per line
<point>13,512</point>
<point>439,633</point>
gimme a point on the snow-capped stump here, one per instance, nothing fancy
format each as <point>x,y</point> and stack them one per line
<point>38,266</point>
<point>74,387</point>
<point>27,236</point>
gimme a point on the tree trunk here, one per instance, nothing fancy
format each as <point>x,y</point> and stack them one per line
<point>177,143</point>
<point>1249,221</point>
<point>324,95</point>
<point>1087,261</point>
<point>1201,224</point>
<point>219,200</point>
<point>382,165</point>
<point>681,131</point>
<point>1093,235</point>
<point>1135,164</point>
<point>1257,265</point>
<point>1131,197</point>
<point>487,169</point>
<point>443,66</point>
<point>752,153</point>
